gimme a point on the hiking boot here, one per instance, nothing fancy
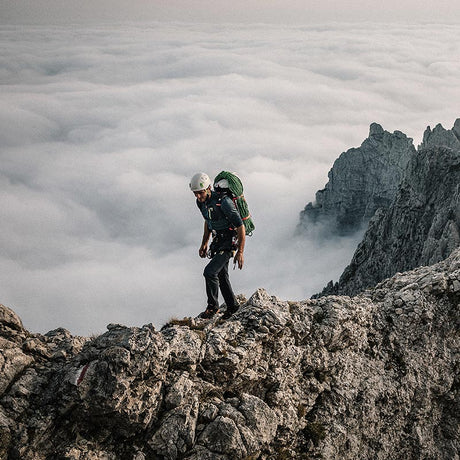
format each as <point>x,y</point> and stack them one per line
<point>208,313</point>
<point>229,312</point>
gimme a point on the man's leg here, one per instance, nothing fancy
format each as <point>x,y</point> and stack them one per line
<point>211,274</point>
<point>226,289</point>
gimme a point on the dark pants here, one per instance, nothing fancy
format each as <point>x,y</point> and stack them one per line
<point>216,274</point>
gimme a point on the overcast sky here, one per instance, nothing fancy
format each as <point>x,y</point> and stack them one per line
<point>102,126</point>
<point>246,11</point>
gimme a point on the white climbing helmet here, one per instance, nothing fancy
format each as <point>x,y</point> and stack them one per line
<point>200,181</point>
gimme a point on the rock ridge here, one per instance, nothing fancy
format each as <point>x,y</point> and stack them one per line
<point>373,376</point>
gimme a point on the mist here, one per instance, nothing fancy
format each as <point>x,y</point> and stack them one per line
<point>101,128</point>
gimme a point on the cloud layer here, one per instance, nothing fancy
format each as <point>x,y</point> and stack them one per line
<point>102,127</point>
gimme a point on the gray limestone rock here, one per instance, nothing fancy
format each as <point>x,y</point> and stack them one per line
<point>421,227</point>
<point>361,181</point>
<point>440,137</point>
<point>373,376</point>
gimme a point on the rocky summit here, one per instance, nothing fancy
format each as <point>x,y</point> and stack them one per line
<point>361,181</point>
<point>440,137</point>
<point>422,224</point>
<point>375,376</point>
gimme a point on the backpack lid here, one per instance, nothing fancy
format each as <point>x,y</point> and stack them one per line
<point>223,183</point>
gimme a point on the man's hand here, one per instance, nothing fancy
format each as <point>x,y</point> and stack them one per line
<point>203,251</point>
<point>239,258</point>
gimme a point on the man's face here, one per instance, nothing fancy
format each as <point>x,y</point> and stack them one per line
<point>202,195</point>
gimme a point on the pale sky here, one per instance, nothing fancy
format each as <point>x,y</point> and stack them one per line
<point>237,11</point>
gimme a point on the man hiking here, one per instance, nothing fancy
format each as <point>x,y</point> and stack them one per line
<point>224,223</point>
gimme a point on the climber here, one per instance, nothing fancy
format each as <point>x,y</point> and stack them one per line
<point>224,223</point>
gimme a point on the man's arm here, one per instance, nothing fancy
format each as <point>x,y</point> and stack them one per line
<point>239,256</point>
<point>204,242</point>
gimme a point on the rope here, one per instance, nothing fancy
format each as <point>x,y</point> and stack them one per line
<point>234,183</point>
<point>236,187</point>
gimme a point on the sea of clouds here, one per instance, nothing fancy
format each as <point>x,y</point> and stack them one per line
<point>101,128</point>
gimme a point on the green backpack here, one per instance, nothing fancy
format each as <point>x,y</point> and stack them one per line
<point>235,192</point>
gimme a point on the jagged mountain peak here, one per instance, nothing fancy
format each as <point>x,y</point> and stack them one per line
<point>361,180</point>
<point>441,137</point>
<point>421,225</point>
<point>375,129</point>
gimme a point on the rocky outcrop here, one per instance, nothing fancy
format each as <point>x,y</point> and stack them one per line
<point>361,181</point>
<point>421,227</point>
<point>374,376</point>
<point>440,137</point>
